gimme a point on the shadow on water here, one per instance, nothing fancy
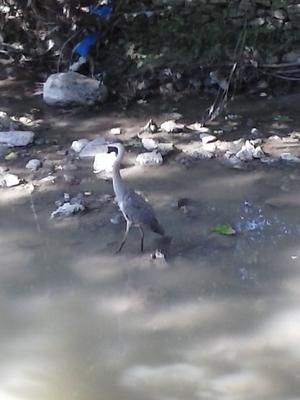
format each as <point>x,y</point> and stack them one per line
<point>220,320</point>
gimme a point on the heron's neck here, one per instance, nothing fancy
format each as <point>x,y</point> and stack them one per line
<point>118,183</point>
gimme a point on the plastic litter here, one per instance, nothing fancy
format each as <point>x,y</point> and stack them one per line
<point>82,48</point>
<point>101,11</point>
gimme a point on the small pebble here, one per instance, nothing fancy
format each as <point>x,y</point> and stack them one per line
<point>116,131</point>
<point>149,159</point>
<point>207,138</point>
<point>33,164</point>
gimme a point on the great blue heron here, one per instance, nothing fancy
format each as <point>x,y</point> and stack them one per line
<point>136,211</point>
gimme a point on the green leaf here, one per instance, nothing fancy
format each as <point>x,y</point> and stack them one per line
<point>282,118</point>
<point>11,156</point>
<point>224,229</point>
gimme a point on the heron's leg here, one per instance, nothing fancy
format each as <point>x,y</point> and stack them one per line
<point>128,226</point>
<point>142,237</point>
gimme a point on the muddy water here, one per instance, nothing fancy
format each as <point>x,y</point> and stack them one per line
<point>219,320</point>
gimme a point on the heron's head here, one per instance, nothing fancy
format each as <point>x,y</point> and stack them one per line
<point>116,148</point>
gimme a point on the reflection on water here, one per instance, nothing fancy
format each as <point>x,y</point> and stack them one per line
<point>222,321</point>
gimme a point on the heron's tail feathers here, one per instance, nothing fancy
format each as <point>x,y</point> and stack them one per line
<point>157,228</point>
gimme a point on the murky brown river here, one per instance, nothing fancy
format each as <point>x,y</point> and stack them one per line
<point>219,320</point>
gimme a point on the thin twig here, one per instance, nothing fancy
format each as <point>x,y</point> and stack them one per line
<point>64,45</point>
<point>221,99</point>
<point>282,65</point>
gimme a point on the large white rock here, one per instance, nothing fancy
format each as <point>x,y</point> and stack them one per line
<point>104,162</point>
<point>94,147</point>
<point>71,88</point>
<point>9,180</point>
<point>16,138</point>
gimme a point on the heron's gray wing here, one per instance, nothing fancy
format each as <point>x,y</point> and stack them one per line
<point>139,211</point>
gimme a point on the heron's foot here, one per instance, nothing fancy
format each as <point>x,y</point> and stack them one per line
<point>119,248</point>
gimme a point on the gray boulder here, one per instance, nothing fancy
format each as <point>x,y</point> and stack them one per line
<point>73,89</point>
<point>16,138</point>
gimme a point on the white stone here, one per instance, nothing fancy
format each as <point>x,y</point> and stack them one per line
<point>33,164</point>
<point>71,88</point>
<point>116,131</point>
<point>289,157</point>
<point>207,138</point>
<point>93,148</point>
<point>149,144</point>
<point>171,126</point>
<point>149,159</point>
<point>9,180</point>
<point>78,145</point>
<point>16,138</point>
<point>198,127</point>
<point>103,162</point>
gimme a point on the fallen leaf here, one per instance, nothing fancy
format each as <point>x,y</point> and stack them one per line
<point>224,229</point>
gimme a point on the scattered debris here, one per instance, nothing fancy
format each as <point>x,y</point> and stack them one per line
<point>68,206</point>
